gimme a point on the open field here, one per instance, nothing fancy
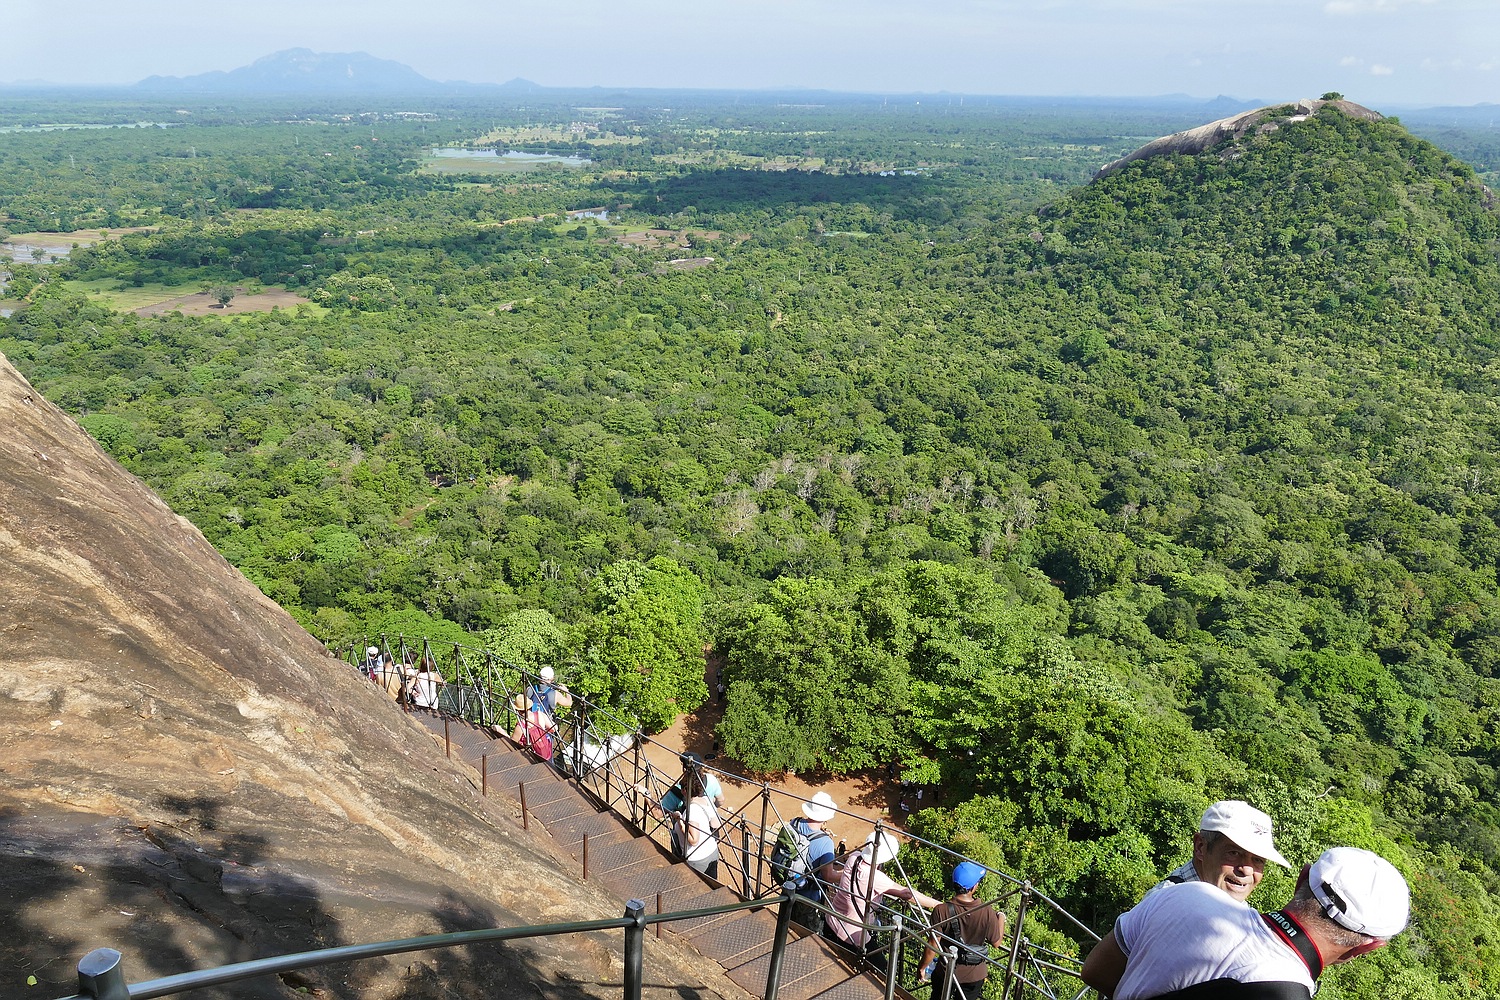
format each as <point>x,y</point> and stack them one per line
<point>156,299</point>
<point>485,165</point>
<point>39,246</point>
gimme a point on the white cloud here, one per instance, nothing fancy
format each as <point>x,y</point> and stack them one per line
<point>1379,70</point>
<point>1350,61</point>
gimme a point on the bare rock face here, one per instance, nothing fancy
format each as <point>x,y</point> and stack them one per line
<point>1236,127</point>
<point>187,777</point>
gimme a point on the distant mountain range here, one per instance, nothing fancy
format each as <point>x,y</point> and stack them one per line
<point>302,71</point>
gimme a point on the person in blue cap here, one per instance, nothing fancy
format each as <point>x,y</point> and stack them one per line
<point>970,925</point>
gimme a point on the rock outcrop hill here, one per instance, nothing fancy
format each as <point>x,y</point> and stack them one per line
<point>186,776</point>
<point>1196,140</point>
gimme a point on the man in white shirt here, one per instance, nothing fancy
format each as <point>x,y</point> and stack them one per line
<point>1191,940</point>
<point>1230,850</point>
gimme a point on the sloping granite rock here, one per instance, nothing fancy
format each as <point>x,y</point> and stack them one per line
<point>1235,127</point>
<point>187,777</point>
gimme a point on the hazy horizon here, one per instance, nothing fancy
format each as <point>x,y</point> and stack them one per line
<point>1375,52</point>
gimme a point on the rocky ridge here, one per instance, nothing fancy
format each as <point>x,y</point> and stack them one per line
<point>1236,127</point>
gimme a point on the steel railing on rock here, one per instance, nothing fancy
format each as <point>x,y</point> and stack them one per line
<point>604,754</point>
<point>101,973</point>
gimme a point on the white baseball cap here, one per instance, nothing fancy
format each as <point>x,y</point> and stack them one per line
<point>1361,891</point>
<point>820,809</point>
<point>1244,824</point>
<point>373,651</point>
<point>547,674</point>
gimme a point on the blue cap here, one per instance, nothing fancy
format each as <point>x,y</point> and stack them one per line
<point>967,874</point>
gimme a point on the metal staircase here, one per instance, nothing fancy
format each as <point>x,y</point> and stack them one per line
<point>631,865</point>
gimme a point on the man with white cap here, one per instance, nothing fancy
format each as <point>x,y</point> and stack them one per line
<point>371,662</point>
<point>803,854</point>
<point>547,696</point>
<point>1230,850</point>
<point>1190,940</point>
<point>862,881</point>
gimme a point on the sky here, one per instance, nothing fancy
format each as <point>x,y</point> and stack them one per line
<point>1380,53</point>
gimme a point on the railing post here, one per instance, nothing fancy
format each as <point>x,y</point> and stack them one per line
<point>869,876</point>
<point>447,738</point>
<point>893,961</point>
<point>635,948</point>
<point>778,943</point>
<point>745,892</point>
<point>760,853</point>
<point>585,857</point>
<point>1015,939</point>
<point>484,774</point>
<point>525,820</point>
<point>950,964</point>
<point>101,976</point>
<point>658,913</point>
<point>578,716</point>
<point>637,818</point>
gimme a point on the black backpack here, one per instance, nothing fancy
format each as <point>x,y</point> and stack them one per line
<point>968,954</point>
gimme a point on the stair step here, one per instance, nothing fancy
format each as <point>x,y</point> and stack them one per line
<point>557,810</point>
<point>536,773</point>
<point>683,901</point>
<point>611,856</point>
<point>670,880</point>
<point>807,969</point>
<point>857,988</point>
<point>569,833</point>
<point>734,942</point>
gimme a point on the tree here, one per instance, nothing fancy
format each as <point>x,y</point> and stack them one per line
<point>643,650</point>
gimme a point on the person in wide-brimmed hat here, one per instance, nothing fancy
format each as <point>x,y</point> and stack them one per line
<point>803,855</point>
<point>862,881</point>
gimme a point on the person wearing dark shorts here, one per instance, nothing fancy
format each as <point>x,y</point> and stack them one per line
<point>969,924</point>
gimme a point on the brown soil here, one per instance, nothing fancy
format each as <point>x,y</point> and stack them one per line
<point>203,304</point>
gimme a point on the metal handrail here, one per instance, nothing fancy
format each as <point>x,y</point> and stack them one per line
<point>101,973</point>
<point>612,779</point>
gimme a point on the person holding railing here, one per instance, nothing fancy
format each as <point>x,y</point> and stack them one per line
<point>695,826</point>
<point>803,854</point>
<point>535,730</point>
<point>425,684</point>
<point>548,696</point>
<point>971,924</point>
<point>861,885</point>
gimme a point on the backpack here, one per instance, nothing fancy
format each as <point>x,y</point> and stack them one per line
<point>792,853</point>
<point>541,698</point>
<point>968,954</point>
<point>537,740</point>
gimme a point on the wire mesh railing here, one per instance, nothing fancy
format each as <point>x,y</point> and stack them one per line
<point>606,756</point>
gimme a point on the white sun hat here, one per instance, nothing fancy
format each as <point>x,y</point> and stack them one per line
<point>820,809</point>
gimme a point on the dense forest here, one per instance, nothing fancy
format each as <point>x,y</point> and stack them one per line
<point>1088,501</point>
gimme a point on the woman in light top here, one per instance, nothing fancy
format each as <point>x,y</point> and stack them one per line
<point>863,880</point>
<point>696,826</point>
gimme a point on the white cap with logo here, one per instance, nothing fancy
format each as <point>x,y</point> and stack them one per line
<point>1244,824</point>
<point>1361,891</point>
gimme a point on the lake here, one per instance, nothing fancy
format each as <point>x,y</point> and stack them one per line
<point>512,155</point>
